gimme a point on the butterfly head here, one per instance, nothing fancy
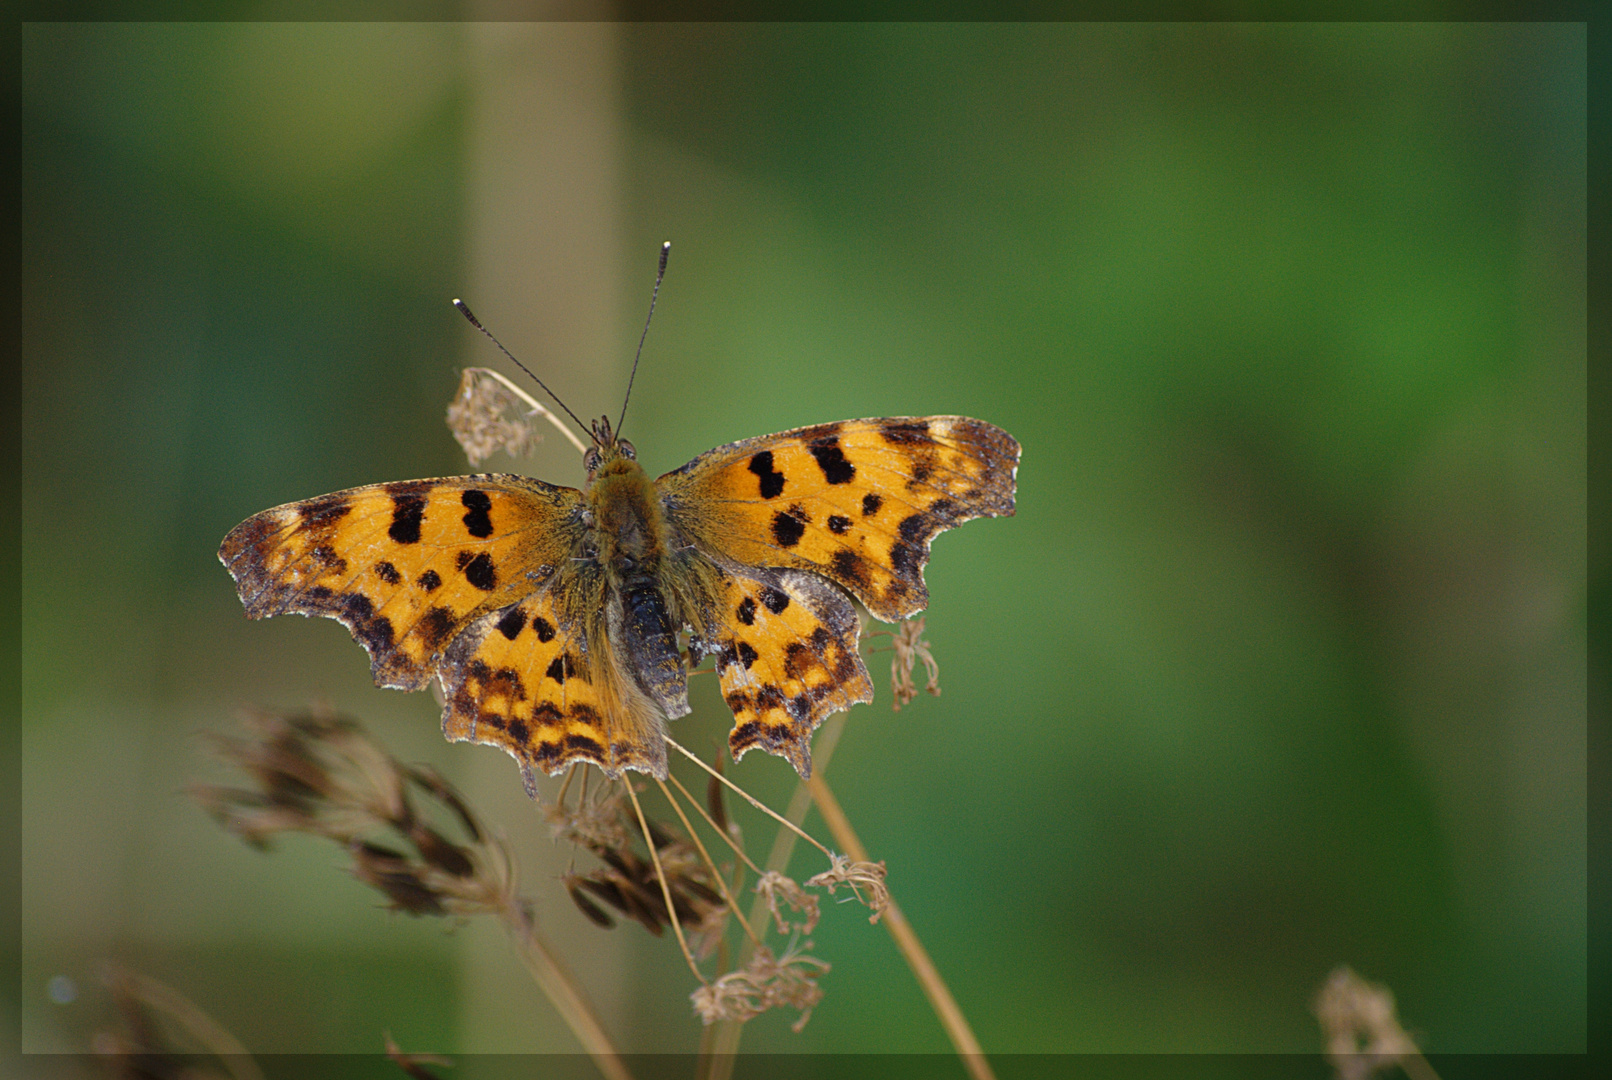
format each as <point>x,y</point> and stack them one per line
<point>609,452</point>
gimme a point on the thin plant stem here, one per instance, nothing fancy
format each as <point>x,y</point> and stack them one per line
<point>751,799</point>
<point>923,969</point>
<point>783,845</point>
<point>665,889</point>
<point>203,1028</point>
<point>565,785</point>
<point>558,984</point>
<point>1416,1066</point>
<point>720,1050</point>
<point>737,850</point>
<point>537,407</point>
<point>716,873</point>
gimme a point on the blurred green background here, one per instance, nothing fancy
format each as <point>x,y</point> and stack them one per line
<point>1281,664</point>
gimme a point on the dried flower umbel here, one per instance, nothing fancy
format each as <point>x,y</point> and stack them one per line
<point>910,647</point>
<point>681,886</point>
<point>766,982</point>
<point>489,413</point>
<point>1362,1032</point>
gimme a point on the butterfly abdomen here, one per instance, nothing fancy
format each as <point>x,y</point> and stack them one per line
<point>650,642</point>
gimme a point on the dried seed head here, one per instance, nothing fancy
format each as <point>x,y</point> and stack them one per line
<point>577,887</point>
<point>485,416</point>
<point>764,983</point>
<point>394,875</point>
<point>1358,1020</point>
<point>319,773</point>
<point>595,824</point>
<point>909,648</point>
<point>775,887</point>
<point>862,877</point>
<point>627,881</point>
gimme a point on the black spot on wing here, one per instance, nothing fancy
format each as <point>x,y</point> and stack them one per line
<point>745,654</point>
<point>870,505</point>
<point>546,756</point>
<point>479,571</point>
<point>430,581</point>
<point>329,562</point>
<point>321,514</point>
<point>906,433</point>
<point>561,668</point>
<point>850,568</point>
<point>769,697</point>
<point>544,628</point>
<point>435,626</point>
<point>747,611</point>
<point>904,558</point>
<point>408,510</point>
<point>914,528</point>
<point>787,529</point>
<point>503,682</point>
<point>519,731</point>
<point>776,600</point>
<point>477,510</point>
<point>772,481</point>
<point>373,631</point>
<point>512,623</point>
<point>917,529</point>
<point>799,658</point>
<point>387,573</point>
<point>583,744</point>
<point>831,459</point>
<point>838,525</point>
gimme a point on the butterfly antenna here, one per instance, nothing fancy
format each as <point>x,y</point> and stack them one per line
<point>465,311</point>
<point>665,250</point>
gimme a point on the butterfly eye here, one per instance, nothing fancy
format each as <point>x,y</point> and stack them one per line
<point>590,460</point>
<point>627,449</point>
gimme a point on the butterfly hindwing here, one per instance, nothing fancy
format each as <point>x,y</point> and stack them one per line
<point>857,502</point>
<point>406,567</point>
<point>786,652</point>
<point>524,678</point>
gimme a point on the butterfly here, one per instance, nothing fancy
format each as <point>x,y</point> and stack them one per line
<point>551,617</point>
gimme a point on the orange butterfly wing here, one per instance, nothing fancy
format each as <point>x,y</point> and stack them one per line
<point>787,657</point>
<point>470,579</point>
<point>856,503</point>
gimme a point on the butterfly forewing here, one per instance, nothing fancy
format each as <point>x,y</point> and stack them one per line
<point>857,502</point>
<point>406,566</point>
